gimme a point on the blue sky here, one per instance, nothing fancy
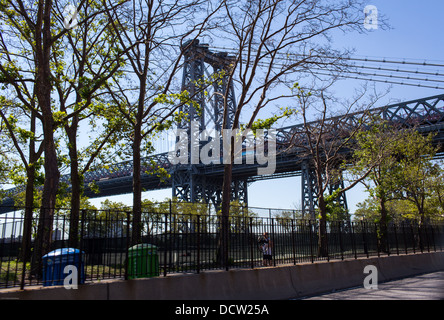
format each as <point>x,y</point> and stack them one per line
<point>417,34</point>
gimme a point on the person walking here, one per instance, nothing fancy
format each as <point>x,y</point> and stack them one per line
<point>267,246</point>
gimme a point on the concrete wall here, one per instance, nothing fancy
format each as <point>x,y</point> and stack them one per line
<point>283,282</point>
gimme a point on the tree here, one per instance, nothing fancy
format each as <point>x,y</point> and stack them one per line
<point>20,126</point>
<point>324,144</point>
<point>6,154</point>
<point>367,210</point>
<point>335,210</point>
<point>378,145</point>
<point>5,161</point>
<point>20,110</point>
<point>31,33</point>
<point>399,159</point>
<point>84,60</point>
<point>109,221</point>
<point>272,42</point>
<point>418,171</point>
<point>398,210</point>
<point>437,199</point>
<point>146,30</point>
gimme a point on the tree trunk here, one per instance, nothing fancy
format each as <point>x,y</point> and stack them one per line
<point>422,227</point>
<point>52,176</point>
<point>76,187</point>
<point>43,90</point>
<point>383,225</point>
<point>323,240</point>
<point>25,254</point>
<point>137,190</point>
<point>136,235</point>
<point>225,213</point>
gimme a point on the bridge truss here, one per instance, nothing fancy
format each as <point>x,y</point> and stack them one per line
<point>194,182</point>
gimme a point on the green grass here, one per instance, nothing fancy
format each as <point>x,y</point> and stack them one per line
<point>103,271</point>
<point>11,271</point>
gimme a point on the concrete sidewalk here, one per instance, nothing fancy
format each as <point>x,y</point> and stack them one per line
<point>428,286</point>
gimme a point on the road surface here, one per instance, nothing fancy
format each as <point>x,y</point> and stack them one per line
<point>423,287</point>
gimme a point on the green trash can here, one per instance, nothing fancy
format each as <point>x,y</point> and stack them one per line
<point>143,261</point>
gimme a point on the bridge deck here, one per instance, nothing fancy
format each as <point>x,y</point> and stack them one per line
<point>426,114</point>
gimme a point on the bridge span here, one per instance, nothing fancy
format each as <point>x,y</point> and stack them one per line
<point>200,182</point>
<point>426,114</point>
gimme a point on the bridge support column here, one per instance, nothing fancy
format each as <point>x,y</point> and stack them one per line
<point>342,200</point>
<point>190,186</point>
<point>189,183</point>
<point>309,192</point>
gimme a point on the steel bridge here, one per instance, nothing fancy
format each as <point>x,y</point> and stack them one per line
<point>203,182</point>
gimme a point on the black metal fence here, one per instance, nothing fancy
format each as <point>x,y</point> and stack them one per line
<point>191,243</point>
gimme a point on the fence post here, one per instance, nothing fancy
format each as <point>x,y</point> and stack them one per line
<point>128,220</point>
<point>225,240</point>
<point>403,235</point>
<point>293,244</point>
<point>439,237</point>
<point>364,237</point>
<point>273,246</point>
<point>427,237</point>
<point>421,242</point>
<point>198,243</point>
<point>377,240</point>
<point>433,238</point>
<point>413,238</point>
<point>311,240</point>
<point>165,244</point>
<point>387,245</point>
<point>396,239</point>
<point>251,243</point>
<point>82,225</point>
<point>353,239</point>
<point>340,239</point>
<point>26,247</point>
<point>327,241</point>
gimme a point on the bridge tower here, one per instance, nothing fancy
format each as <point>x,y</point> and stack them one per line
<point>309,191</point>
<point>200,66</point>
<point>309,194</point>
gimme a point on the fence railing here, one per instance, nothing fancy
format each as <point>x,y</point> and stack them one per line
<point>192,243</point>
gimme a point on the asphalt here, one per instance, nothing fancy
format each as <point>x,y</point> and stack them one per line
<point>422,287</point>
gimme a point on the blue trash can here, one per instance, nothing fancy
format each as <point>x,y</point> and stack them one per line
<point>54,264</point>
